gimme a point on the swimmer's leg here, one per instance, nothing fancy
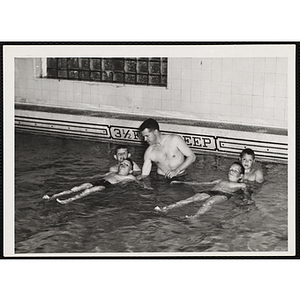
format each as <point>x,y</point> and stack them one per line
<point>72,190</point>
<point>86,192</point>
<point>208,205</point>
<point>196,197</point>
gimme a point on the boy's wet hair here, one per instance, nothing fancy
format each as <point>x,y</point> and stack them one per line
<point>239,164</point>
<point>121,147</point>
<point>151,124</point>
<point>247,151</point>
<point>131,162</point>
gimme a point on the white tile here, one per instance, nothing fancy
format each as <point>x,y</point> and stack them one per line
<point>216,87</point>
<point>196,74</point>
<point>281,79</point>
<point>186,63</point>
<point>247,77</point>
<point>204,107</point>
<point>269,90</point>
<point>280,102</point>
<point>257,112</point>
<point>186,96</point>
<point>216,75</point>
<point>247,100</point>
<point>268,113</point>
<point>236,99</point>
<point>196,85</point>
<point>226,99</point>
<point>259,65</point>
<point>157,104</point>
<point>278,114</point>
<point>206,64</point>
<point>258,89</point>
<point>226,88</point>
<point>206,86</point>
<point>175,95</point>
<point>237,77</point>
<point>215,109</point>
<point>270,78</point>
<point>216,98</point>
<point>247,89</point>
<point>246,111</point>
<point>270,66</point>
<point>166,105</point>
<point>236,111</point>
<point>175,84</point>
<point>281,65</point>
<point>259,78</point>
<point>280,90</point>
<point>186,84</point>
<point>257,101</point>
<point>227,64</point>
<point>269,102</point>
<point>226,76</point>
<point>205,97</point>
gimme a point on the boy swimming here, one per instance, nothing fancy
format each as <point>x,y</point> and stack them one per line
<point>122,152</point>
<point>123,175</point>
<point>252,172</point>
<point>222,191</point>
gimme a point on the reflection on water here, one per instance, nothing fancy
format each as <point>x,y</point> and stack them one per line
<point>122,219</point>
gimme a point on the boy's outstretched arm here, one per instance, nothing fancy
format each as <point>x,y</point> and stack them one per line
<point>82,194</point>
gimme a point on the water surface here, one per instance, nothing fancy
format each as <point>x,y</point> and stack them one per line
<point>122,219</point>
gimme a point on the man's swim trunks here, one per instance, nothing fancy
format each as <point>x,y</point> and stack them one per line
<point>179,177</point>
<point>101,182</point>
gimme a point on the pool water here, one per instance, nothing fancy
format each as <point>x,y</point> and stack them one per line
<point>122,219</point>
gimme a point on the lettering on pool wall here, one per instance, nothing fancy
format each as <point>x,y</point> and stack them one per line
<point>199,141</point>
<point>194,141</point>
<point>123,133</point>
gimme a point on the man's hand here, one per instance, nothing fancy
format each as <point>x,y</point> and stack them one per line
<point>172,173</point>
<point>140,177</point>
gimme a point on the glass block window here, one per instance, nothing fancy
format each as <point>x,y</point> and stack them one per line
<point>138,71</point>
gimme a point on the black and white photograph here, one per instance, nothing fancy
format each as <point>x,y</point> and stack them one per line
<point>183,150</point>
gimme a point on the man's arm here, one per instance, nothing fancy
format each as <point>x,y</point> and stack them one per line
<point>147,166</point>
<point>214,182</point>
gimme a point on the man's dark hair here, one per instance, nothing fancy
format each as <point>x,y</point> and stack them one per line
<point>150,124</point>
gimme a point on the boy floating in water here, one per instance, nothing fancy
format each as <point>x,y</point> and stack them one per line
<point>252,173</point>
<point>121,153</point>
<point>222,191</point>
<point>122,176</point>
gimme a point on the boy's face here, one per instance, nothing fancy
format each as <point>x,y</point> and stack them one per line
<point>235,173</point>
<point>125,167</point>
<point>122,154</point>
<point>247,161</point>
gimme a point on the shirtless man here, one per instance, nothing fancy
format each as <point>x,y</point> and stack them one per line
<point>170,153</point>
<point>252,171</point>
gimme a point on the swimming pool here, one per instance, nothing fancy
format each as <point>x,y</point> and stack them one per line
<point>122,220</point>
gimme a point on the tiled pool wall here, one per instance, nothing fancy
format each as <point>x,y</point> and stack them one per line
<point>219,105</point>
